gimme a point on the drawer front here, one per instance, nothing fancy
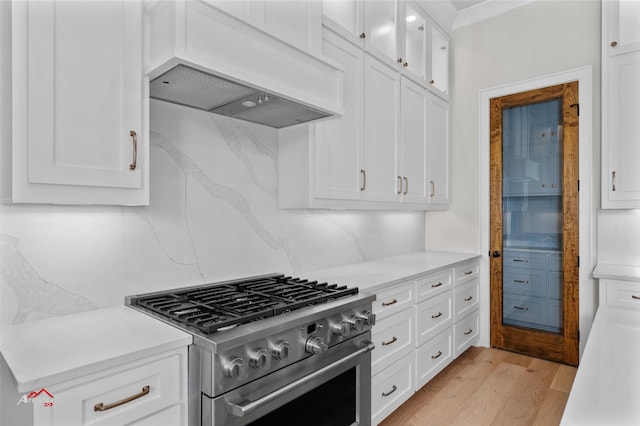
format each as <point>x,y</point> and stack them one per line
<point>525,309</point>
<point>164,375</point>
<point>524,259</point>
<point>467,272</point>
<point>391,387</point>
<point>394,338</point>
<point>433,316</point>
<point>624,294</point>
<point>433,285</point>
<point>466,333</point>
<point>396,299</point>
<point>433,356</point>
<point>525,282</point>
<point>466,298</point>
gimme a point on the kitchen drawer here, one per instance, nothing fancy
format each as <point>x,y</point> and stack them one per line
<point>395,299</point>
<point>467,272</point>
<point>623,294</point>
<point>434,284</point>
<point>391,387</point>
<point>528,309</point>
<point>525,282</point>
<point>466,298</point>
<point>165,376</point>
<point>433,316</point>
<point>394,337</point>
<point>433,356</point>
<point>524,260</point>
<point>466,332</point>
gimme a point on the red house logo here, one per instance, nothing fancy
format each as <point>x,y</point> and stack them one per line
<point>42,396</point>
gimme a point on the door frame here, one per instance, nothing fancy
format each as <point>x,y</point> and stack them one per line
<point>587,229</point>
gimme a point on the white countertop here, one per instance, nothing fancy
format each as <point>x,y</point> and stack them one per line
<point>371,276</point>
<point>617,272</point>
<point>606,390</point>
<point>42,353</point>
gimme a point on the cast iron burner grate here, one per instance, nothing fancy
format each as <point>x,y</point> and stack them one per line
<point>213,307</point>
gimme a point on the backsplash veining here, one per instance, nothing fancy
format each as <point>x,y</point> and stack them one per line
<point>213,216</point>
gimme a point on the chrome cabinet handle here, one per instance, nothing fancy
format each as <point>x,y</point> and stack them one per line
<point>438,355</point>
<point>438,315</point>
<point>363,174</point>
<point>466,299</point>
<point>613,181</point>
<point>101,407</point>
<point>468,273</point>
<point>469,331</point>
<point>393,389</point>
<point>399,185</point>
<point>433,188</point>
<point>521,281</point>
<point>436,285</point>
<point>633,296</point>
<point>522,308</point>
<point>133,164</point>
<point>393,340</point>
<point>393,302</point>
<point>521,260</point>
<point>406,185</point>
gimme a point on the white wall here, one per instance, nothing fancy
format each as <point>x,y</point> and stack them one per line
<point>213,216</point>
<point>529,42</point>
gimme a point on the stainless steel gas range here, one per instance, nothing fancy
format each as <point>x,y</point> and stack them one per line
<point>273,349</point>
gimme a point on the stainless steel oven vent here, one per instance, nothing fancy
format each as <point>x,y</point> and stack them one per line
<point>197,89</point>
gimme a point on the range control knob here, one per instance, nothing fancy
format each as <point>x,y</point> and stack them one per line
<point>260,358</point>
<point>368,317</point>
<point>342,329</point>
<point>356,323</point>
<point>234,368</point>
<point>281,350</point>
<point>315,345</point>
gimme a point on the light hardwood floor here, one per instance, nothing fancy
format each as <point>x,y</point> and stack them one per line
<point>490,387</point>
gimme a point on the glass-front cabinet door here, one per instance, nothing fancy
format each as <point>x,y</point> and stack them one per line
<point>414,45</point>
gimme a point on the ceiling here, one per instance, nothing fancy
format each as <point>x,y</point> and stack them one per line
<point>463,4</point>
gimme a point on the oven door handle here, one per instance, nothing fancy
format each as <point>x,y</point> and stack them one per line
<point>242,410</point>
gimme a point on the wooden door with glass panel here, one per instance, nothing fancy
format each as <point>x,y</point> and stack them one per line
<point>534,222</point>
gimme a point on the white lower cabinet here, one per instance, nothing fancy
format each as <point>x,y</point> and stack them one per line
<point>620,294</point>
<point>150,391</point>
<point>421,326</point>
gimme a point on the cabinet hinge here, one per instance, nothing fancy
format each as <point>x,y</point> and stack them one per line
<point>577,107</point>
<point>578,185</point>
<point>578,261</point>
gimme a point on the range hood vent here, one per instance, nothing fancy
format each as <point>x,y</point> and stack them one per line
<point>187,86</point>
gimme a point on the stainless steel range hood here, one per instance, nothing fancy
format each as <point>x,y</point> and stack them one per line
<point>187,86</point>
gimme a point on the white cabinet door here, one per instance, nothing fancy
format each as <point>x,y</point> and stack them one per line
<point>438,150</point>
<point>621,129</point>
<point>345,17</point>
<point>380,122</point>
<point>413,143</point>
<point>622,19</point>
<point>380,28</point>
<point>79,119</point>
<point>338,142</point>
<point>439,59</point>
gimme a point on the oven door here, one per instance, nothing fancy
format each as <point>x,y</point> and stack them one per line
<point>329,389</point>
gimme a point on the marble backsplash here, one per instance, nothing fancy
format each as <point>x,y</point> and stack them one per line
<point>213,216</point>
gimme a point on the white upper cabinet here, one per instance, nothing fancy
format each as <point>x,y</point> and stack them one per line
<point>380,28</point>
<point>622,33</point>
<point>621,104</point>
<point>438,152</point>
<point>77,106</point>
<point>415,41</point>
<point>439,60</point>
<point>412,175</point>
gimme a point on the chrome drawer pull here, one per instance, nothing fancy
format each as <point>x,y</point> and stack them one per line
<point>469,331</point>
<point>101,407</point>
<point>436,285</point>
<point>466,299</point>
<point>393,389</point>
<point>468,273</point>
<point>521,260</point>
<point>522,308</point>
<point>438,315</point>
<point>438,355</point>
<point>633,296</point>
<point>521,281</point>
<point>393,302</point>
<point>395,339</point>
